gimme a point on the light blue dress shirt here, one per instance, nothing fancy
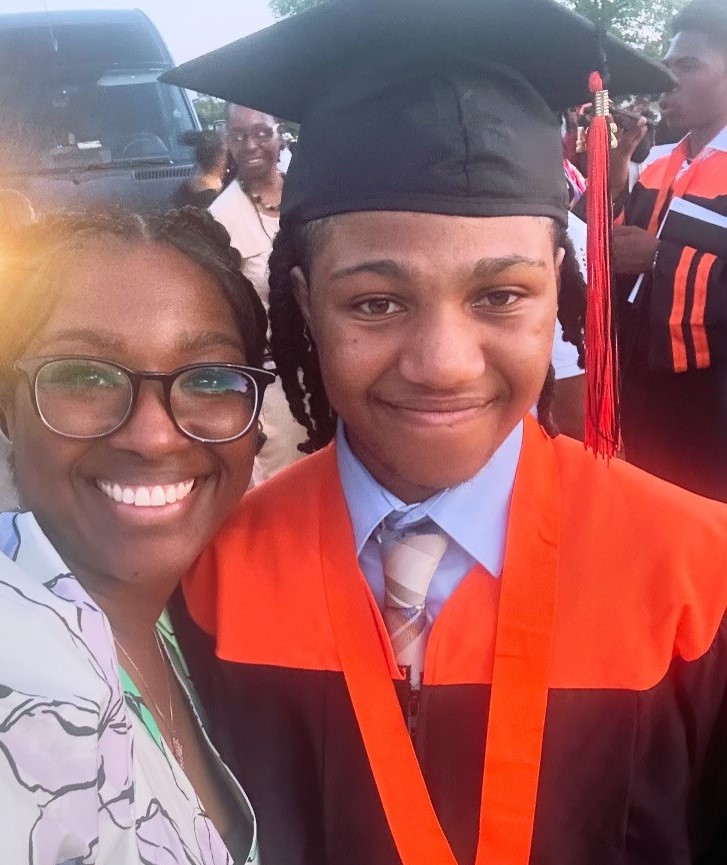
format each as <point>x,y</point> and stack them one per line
<point>473,515</point>
<point>9,536</point>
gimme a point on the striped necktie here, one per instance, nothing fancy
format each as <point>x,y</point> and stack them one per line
<point>410,560</point>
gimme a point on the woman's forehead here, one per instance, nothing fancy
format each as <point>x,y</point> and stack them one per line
<point>143,289</point>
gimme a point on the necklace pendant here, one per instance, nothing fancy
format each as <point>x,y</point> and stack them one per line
<point>178,751</point>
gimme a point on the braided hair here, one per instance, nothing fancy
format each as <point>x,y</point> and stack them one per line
<point>296,357</point>
<point>33,272</point>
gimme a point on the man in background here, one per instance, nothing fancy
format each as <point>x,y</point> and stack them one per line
<point>673,287</point>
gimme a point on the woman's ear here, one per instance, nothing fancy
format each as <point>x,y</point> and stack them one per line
<point>4,424</point>
<point>7,413</point>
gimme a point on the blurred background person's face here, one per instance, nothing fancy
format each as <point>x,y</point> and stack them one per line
<point>254,141</point>
<point>700,98</point>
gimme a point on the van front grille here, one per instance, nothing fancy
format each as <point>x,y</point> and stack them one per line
<point>164,173</point>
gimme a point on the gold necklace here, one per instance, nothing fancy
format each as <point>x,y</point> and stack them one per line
<point>176,743</point>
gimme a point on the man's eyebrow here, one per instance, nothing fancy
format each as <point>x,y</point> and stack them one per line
<point>484,269</point>
<point>679,58</point>
<point>380,267</point>
<point>487,268</point>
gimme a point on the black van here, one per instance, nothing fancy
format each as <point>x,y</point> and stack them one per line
<point>82,117</point>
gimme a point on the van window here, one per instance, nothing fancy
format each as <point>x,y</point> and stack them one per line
<point>78,45</point>
<point>86,95</point>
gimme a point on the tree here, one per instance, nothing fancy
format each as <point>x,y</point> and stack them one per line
<point>283,8</point>
<point>643,23</point>
<point>209,110</point>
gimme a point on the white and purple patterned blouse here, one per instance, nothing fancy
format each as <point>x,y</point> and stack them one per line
<point>85,779</point>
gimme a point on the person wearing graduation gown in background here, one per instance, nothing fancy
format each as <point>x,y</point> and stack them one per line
<point>674,324</point>
<point>559,696</point>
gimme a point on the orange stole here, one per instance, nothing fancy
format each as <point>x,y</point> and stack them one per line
<point>640,582</point>
<point>519,680</point>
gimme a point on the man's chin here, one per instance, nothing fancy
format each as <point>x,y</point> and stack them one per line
<point>421,478</point>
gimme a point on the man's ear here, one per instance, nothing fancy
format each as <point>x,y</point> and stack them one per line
<point>559,259</point>
<point>301,293</point>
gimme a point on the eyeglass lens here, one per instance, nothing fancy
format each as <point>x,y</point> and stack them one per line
<point>257,133</point>
<point>213,402</point>
<point>85,398</point>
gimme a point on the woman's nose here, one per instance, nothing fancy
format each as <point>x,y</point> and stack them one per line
<point>150,431</point>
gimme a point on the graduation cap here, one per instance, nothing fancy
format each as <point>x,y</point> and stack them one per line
<point>441,107</point>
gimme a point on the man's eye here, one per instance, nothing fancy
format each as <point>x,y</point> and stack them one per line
<point>379,306</point>
<point>498,299</point>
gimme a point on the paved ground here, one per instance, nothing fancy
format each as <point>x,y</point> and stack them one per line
<point>7,492</point>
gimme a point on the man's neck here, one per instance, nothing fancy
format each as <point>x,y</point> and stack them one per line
<point>701,136</point>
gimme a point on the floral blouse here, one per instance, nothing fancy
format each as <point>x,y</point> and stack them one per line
<point>85,776</point>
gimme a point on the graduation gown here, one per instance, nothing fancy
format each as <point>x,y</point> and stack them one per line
<point>594,670</point>
<point>674,336</point>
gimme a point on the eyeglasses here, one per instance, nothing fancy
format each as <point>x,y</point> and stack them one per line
<point>90,398</point>
<point>259,134</point>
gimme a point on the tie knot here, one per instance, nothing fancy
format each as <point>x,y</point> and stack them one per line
<point>410,559</point>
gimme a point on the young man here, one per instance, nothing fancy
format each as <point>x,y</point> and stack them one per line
<point>468,641</point>
<point>674,328</point>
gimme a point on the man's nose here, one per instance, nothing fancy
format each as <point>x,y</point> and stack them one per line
<point>445,352</point>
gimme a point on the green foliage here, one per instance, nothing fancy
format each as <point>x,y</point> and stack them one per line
<point>283,8</point>
<point>209,109</point>
<point>643,23</point>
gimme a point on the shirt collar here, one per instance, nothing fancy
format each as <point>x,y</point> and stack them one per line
<point>487,495</point>
<point>719,142</point>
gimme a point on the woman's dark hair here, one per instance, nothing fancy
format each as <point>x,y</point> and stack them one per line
<point>32,275</point>
<point>708,17</point>
<point>295,352</point>
<point>209,147</point>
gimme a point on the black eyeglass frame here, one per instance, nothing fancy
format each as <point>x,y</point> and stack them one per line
<point>31,368</point>
<point>260,134</point>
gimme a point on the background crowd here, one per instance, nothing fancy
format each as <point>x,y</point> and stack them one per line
<point>296,505</point>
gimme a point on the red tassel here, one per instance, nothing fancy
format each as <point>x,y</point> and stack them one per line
<point>602,432</point>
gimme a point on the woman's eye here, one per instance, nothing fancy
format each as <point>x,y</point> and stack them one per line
<point>379,306</point>
<point>498,299</point>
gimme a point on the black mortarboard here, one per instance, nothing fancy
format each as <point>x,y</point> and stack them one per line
<point>442,106</point>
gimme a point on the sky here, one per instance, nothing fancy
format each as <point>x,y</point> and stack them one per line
<point>188,28</point>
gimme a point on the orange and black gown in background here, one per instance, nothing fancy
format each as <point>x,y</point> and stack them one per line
<point>673,338</point>
<point>589,681</point>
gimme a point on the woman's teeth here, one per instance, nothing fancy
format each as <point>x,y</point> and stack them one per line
<point>146,497</point>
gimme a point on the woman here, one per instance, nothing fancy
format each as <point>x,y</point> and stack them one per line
<point>210,153</point>
<point>130,388</point>
<point>250,210</point>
